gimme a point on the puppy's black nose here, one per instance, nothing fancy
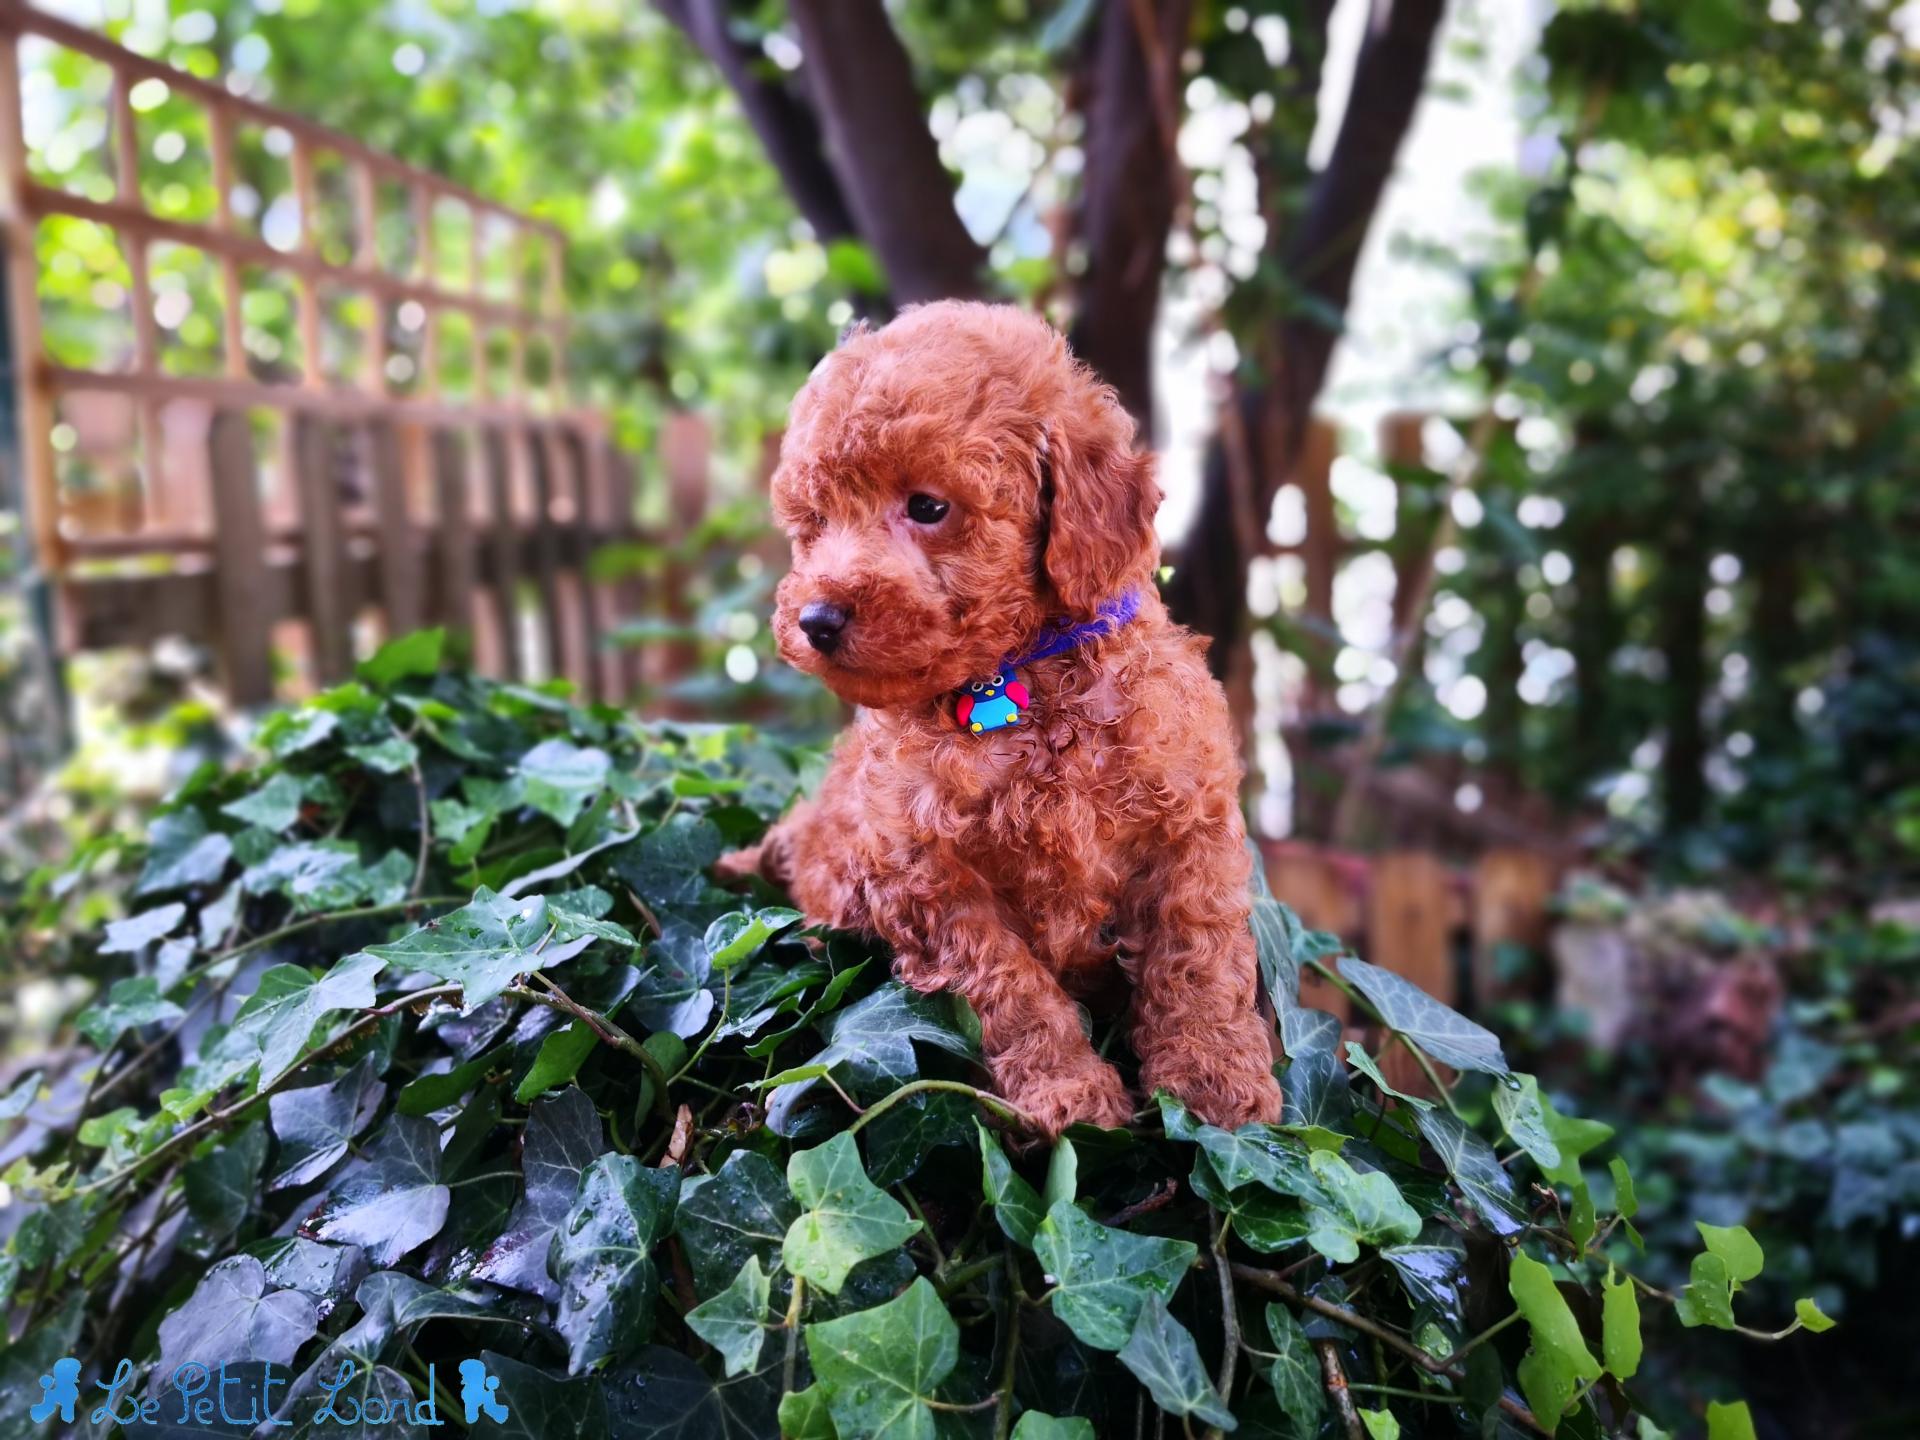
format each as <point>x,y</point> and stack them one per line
<point>823,623</point>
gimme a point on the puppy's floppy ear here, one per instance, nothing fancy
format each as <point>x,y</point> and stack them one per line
<point>1100,496</point>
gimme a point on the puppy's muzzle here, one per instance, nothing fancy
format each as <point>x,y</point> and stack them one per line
<point>822,623</point>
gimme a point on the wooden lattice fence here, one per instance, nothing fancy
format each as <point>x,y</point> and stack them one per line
<point>297,497</point>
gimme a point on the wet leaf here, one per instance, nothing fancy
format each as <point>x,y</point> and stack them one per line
<point>734,1321</point>
<point>289,1002</point>
<point>130,1005</point>
<point>743,1210</point>
<point>1355,1209</point>
<point>1620,1327</point>
<point>396,1203</point>
<point>182,853</point>
<point>233,1316</point>
<point>1295,1372</point>
<point>1517,1103</point>
<point>1102,1276</point>
<point>1016,1206</point>
<point>482,947</point>
<point>1162,1355</point>
<point>313,1126</point>
<point>1735,1245</point>
<point>1475,1168</point>
<point>603,1258</point>
<point>737,937</point>
<point>844,1217</point>
<point>881,1366</point>
<point>1555,1332</point>
<point>1443,1033</point>
<point>561,778</point>
<point>562,1139</point>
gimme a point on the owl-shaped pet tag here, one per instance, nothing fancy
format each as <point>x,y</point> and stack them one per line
<point>991,704</point>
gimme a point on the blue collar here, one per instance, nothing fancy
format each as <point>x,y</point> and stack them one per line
<point>1057,640</point>
<point>987,705</point>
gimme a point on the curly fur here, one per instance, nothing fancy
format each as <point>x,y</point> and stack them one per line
<point>1029,867</point>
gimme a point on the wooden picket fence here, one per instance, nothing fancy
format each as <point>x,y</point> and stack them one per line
<point>301,514</point>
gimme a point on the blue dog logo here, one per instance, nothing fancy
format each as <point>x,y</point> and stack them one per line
<point>479,1392</point>
<point>59,1391</point>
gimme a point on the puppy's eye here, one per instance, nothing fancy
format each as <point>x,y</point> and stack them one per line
<point>926,509</point>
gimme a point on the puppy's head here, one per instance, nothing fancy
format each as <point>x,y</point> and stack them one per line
<point>949,483</point>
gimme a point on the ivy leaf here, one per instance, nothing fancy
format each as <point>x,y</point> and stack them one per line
<point>739,935</point>
<point>1303,1031</point>
<point>1267,1222</point>
<point>743,1210</point>
<point>562,1053</point>
<point>1624,1199</point>
<point>219,1188</point>
<point>1443,1033</point>
<point>1729,1420</point>
<point>1708,1298</point>
<point>734,1321</point>
<point>1252,1155</point>
<point>322,875</point>
<point>1294,1373</point>
<point>1035,1426</point>
<point>871,1046</point>
<point>1432,1270</point>
<point>1163,1357</point>
<point>1736,1246</point>
<point>603,1258</point>
<point>273,807</point>
<point>1063,1175</point>
<point>481,947</point>
<point>134,934</point>
<point>1619,1327</point>
<point>1358,1057</point>
<point>1581,1220</point>
<point>881,1366</point>
<point>562,1139</point>
<point>1548,1380</point>
<point>541,1406</point>
<point>397,1202</point>
<point>844,1217</point>
<point>805,1415</point>
<point>561,778</point>
<point>183,853</point>
<point>668,866</point>
<point>1812,1317</point>
<point>1015,1204</point>
<point>232,1316</point>
<point>1356,1208</point>
<point>392,756</point>
<point>415,653</point>
<point>1102,1275</point>
<point>673,994</point>
<point>1381,1424</point>
<point>314,1125</point>
<point>1317,1091</point>
<point>289,1002</point>
<point>1517,1103</point>
<point>17,1100</point>
<point>1574,1137</point>
<point>1471,1161</point>
<point>1555,1332</point>
<point>665,1395</point>
<point>129,1005</point>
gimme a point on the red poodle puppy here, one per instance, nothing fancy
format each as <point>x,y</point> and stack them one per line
<point>1040,782</point>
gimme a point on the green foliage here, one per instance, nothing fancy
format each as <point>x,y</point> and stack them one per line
<point>677,1164</point>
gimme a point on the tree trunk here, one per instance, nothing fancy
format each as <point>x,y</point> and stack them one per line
<point>1208,589</point>
<point>897,189</point>
<point>1131,190</point>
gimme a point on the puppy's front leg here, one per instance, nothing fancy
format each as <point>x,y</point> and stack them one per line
<point>1195,1026</point>
<point>949,933</point>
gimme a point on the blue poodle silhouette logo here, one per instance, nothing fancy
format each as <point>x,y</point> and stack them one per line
<point>479,1393</point>
<point>59,1391</point>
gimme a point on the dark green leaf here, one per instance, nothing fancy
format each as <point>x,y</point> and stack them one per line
<point>396,1203</point>
<point>742,1210</point>
<point>313,1126</point>
<point>1102,1276</point>
<point>734,1321</point>
<point>603,1258</point>
<point>183,853</point>
<point>1161,1354</point>
<point>562,1139</point>
<point>1443,1033</point>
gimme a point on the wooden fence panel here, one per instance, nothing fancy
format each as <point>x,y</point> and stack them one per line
<point>403,586</point>
<point>240,561</point>
<point>457,568</point>
<point>501,533</point>
<point>1512,890</point>
<point>323,544</point>
<point>1409,931</point>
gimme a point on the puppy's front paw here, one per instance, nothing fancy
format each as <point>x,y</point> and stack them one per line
<point>1093,1093</point>
<point>1224,1090</point>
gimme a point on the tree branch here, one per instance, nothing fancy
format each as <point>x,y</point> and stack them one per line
<point>889,168</point>
<point>788,129</point>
